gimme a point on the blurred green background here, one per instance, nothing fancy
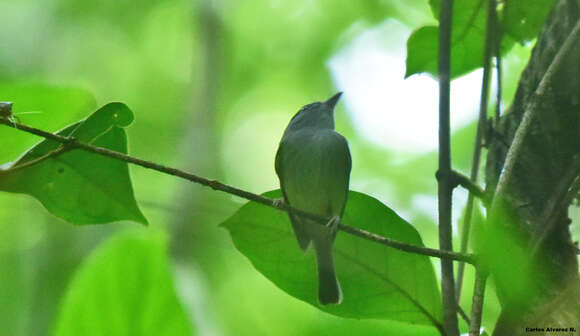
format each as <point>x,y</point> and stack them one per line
<point>213,85</point>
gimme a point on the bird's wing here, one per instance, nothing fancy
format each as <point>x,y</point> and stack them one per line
<point>342,145</point>
<point>297,223</point>
<point>336,164</point>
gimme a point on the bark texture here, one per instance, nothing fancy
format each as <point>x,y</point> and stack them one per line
<point>543,184</point>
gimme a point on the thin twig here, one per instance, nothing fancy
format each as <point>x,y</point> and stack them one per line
<point>72,143</point>
<point>467,183</point>
<point>442,254</point>
<point>463,314</point>
<point>445,188</point>
<point>477,305</point>
<point>481,127</point>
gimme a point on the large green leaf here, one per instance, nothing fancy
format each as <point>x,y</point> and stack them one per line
<point>81,187</point>
<point>377,281</point>
<point>124,288</point>
<point>467,40</point>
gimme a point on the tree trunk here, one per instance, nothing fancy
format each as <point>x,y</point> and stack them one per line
<point>543,183</point>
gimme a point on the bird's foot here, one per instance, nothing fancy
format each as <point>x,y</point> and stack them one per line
<point>279,203</point>
<point>333,224</point>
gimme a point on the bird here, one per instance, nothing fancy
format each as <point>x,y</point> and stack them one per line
<point>313,164</point>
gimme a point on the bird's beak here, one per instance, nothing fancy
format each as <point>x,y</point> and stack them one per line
<point>333,100</point>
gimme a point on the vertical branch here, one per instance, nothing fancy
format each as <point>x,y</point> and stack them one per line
<point>498,72</point>
<point>477,305</point>
<point>445,188</point>
<point>490,46</point>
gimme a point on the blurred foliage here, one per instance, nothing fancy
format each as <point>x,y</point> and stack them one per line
<point>65,57</point>
<point>377,282</point>
<point>124,287</point>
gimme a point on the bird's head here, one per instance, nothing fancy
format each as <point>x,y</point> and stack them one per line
<point>315,115</point>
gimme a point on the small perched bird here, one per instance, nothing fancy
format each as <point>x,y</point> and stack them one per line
<point>313,164</point>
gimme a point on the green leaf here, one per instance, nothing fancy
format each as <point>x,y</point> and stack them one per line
<point>377,281</point>
<point>422,52</point>
<point>124,288</point>
<point>523,19</point>
<point>467,41</point>
<point>80,187</point>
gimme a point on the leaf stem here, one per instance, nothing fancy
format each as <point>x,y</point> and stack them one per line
<point>54,153</point>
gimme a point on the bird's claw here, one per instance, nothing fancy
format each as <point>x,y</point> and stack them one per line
<point>278,203</point>
<point>333,224</point>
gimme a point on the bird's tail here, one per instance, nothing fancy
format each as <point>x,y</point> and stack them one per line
<point>328,287</point>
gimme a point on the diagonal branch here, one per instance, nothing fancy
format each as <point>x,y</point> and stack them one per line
<point>71,143</point>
